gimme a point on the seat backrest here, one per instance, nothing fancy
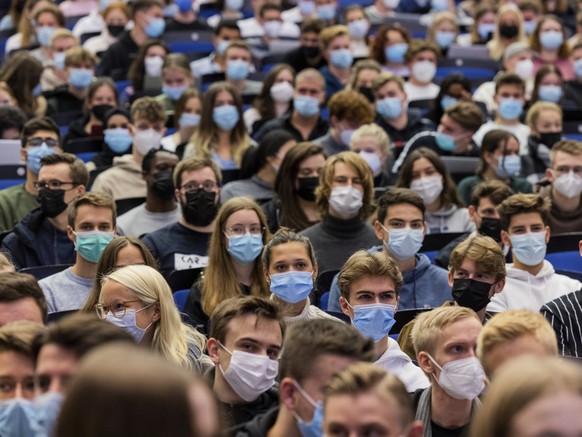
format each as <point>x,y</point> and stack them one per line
<point>438,241</point>
<point>180,297</point>
<point>183,279</point>
<point>42,272</point>
<point>124,205</point>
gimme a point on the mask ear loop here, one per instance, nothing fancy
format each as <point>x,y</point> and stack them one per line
<point>309,399</point>
<point>436,364</point>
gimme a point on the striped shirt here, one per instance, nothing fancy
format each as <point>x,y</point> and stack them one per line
<point>565,316</point>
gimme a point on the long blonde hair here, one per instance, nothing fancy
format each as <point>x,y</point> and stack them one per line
<point>498,44</point>
<point>172,338</point>
<point>220,281</point>
<point>206,136</point>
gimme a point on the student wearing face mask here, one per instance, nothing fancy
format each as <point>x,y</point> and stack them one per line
<point>565,187</point>
<point>47,20</point>
<point>176,79</point>
<point>238,66</point>
<point>545,122</point>
<point>245,344</point>
<point>348,111</point>
<point>260,166</point>
<point>371,143</point>
<point>91,227</point>
<point>380,10</point>
<point>499,161</point>
<point>186,19</point>
<point>160,207</point>
<point>448,406</point>
<point>308,54</point>
<point>426,173</point>
<point>370,284</point>
<point>117,139</point>
<point>421,57</point>
<point>508,29</point>
<point>573,89</point>
<point>335,43</point>
<point>550,45</point>
<point>359,26</point>
<point>234,265</point>
<point>54,75</point>
<point>116,16</point>
<point>187,116</point>
<point>531,280</point>
<point>344,200</point>
<point>400,226</point>
<point>124,180</point>
<point>315,350</point>
<point>145,72</point>
<point>225,32</point>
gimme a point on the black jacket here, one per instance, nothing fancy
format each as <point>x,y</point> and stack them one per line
<point>116,60</point>
<point>259,426</point>
<point>61,100</point>
<point>416,124</point>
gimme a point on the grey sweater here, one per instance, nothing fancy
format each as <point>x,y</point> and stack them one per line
<point>65,291</point>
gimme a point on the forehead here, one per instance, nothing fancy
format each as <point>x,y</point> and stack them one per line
<point>465,330</point>
<point>422,164</point>
<point>129,255</point>
<point>200,175</point>
<point>21,309</point>
<point>238,52</point>
<point>59,171</point>
<point>529,218</point>
<point>372,283</point>
<point>43,134</point>
<point>96,213</point>
<point>56,359</point>
<point>309,82</point>
<point>562,158</point>
<point>257,328</point>
<point>344,169</point>
<point>118,119</point>
<point>165,158</point>
<point>289,251</point>
<point>485,203</point>
<point>113,290</point>
<point>403,211</point>
<point>11,361</point>
<point>243,216</point>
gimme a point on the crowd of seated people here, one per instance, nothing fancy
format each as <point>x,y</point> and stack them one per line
<point>290,218</point>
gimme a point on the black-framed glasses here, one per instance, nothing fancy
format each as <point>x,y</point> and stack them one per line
<point>117,308</point>
<point>240,230</point>
<point>207,185</point>
<point>52,185</point>
<point>37,141</point>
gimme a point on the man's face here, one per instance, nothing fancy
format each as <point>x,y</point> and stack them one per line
<point>450,127</point>
<point>514,60</point>
<point>54,368</point>
<point>162,163</point>
<point>425,55</point>
<point>306,86</point>
<point>564,163</point>
<point>524,223</point>
<point>486,208</point>
<point>21,309</point>
<point>509,91</point>
<point>390,90</point>
<point>60,172</point>
<point>91,218</point>
<point>226,34</point>
<point>311,39</point>
<point>271,15</point>
<point>238,53</point>
<point>369,291</point>
<point>16,376</point>
<point>340,42</point>
<point>61,45</point>
<point>144,17</point>
<point>39,137</point>
<point>143,124</point>
<point>399,216</point>
<point>470,270</point>
<point>195,179</point>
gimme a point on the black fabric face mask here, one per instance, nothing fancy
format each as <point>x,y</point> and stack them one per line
<point>114,30</point>
<point>550,138</point>
<point>491,227</point>
<point>310,52</point>
<point>368,93</point>
<point>101,110</point>
<point>200,208</point>
<point>508,30</point>
<point>472,294</point>
<point>307,188</point>
<point>163,185</point>
<point>52,202</point>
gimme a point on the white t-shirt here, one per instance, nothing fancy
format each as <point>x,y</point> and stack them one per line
<point>425,92</point>
<point>520,130</point>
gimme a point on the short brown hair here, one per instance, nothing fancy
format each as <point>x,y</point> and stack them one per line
<point>77,168</point>
<point>571,147</point>
<point>77,55</point>
<point>397,196</point>
<point>312,26</point>
<point>96,199</point>
<point>363,264</point>
<point>506,78</point>
<point>484,251</point>
<point>420,45</point>
<point>149,109</point>
<point>467,114</point>
<point>33,125</point>
<point>15,286</point>
<point>328,34</point>
<point>351,105</point>
<point>240,306</point>
<point>386,77</point>
<point>494,190</point>
<point>284,236</point>
<point>523,204</point>
<point>192,164</point>
<point>238,44</point>
<point>51,9</point>
<point>18,336</point>
<point>309,339</point>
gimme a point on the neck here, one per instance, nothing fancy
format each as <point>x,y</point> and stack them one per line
<point>267,174</point>
<point>202,229</point>
<point>238,84</point>
<point>155,204</point>
<point>223,137</point>
<point>380,347</point>
<point>79,93</point>
<point>185,17</point>
<point>435,206</point>
<point>309,209</point>
<point>404,265</point>
<point>399,123</point>
<point>84,268</point>
<point>299,120</point>
<point>500,120</point>
<point>549,55</point>
<point>343,74</point>
<point>138,157</point>
<point>416,82</point>
<point>244,272</point>
<point>491,174</point>
<point>532,270</point>
<point>291,309</point>
<point>565,204</point>
<point>285,425</point>
<point>281,108</point>
<point>335,134</point>
<point>138,35</point>
<point>449,412</point>
<point>223,391</point>
<point>60,222</point>
<point>31,178</point>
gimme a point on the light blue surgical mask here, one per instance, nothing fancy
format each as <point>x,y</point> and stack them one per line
<point>375,320</point>
<point>155,27</point>
<point>80,78</point>
<point>578,67</point>
<point>529,26</point>
<point>18,418</point>
<point>510,108</point>
<point>447,102</point>
<point>35,154</point>
<point>529,248</point>
<point>439,5</point>
<point>444,39</point>
<point>306,106</point>
<point>173,92</point>
<point>91,244</point>
<point>245,248</point>
<point>403,243</point>
<point>395,53</point>
<point>44,34</point>
<point>234,5</point>
<point>118,140</point>
<point>48,407</point>
<point>359,28</point>
<point>509,166</point>
<point>59,60</point>
<point>222,46</point>
<point>225,117</point>
<point>129,323</point>
<point>485,30</point>
<point>293,286</point>
<point>326,12</point>
<point>314,428</point>
<point>342,58</point>
<point>551,40</point>
<point>237,69</point>
<point>390,107</point>
<point>550,93</point>
<point>445,142</point>
<point>187,119</point>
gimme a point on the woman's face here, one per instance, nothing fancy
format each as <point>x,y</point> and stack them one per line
<point>155,51</point>
<point>223,98</point>
<point>394,37</point>
<point>310,168</point>
<point>104,95</point>
<point>423,168</point>
<point>548,122</point>
<point>366,78</point>
<point>114,291</point>
<point>116,18</point>
<point>446,26</point>
<point>290,257</point>
<point>193,106</point>
<point>284,76</point>
<point>355,15</point>
<point>6,99</point>
<point>47,19</point>
<point>487,18</point>
<point>118,121</point>
<point>493,159</point>
<point>243,222</point>
<point>367,144</point>
<point>551,79</point>
<point>550,25</point>
<point>130,255</point>
<point>176,77</point>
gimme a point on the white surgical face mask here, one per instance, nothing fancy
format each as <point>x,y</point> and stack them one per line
<point>461,379</point>
<point>249,375</point>
<point>282,92</point>
<point>129,323</point>
<point>146,140</point>
<point>153,65</point>
<point>429,188</point>
<point>524,69</point>
<point>424,71</point>
<point>346,201</point>
<point>568,185</point>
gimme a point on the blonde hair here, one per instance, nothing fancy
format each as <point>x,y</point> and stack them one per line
<point>172,338</point>
<point>484,252</point>
<point>328,34</point>
<point>361,65</point>
<point>5,263</point>
<point>534,112</point>
<point>441,17</point>
<point>375,132</point>
<point>429,325</point>
<point>572,147</point>
<point>510,325</point>
<point>386,77</point>
<point>220,281</point>
<point>18,337</point>
<point>497,46</point>
<point>518,385</point>
<point>62,33</point>
<point>361,167</point>
<point>177,61</point>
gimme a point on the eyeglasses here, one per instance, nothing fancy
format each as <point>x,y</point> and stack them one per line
<point>207,185</point>
<point>117,308</point>
<point>52,185</point>
<point>37,141</point>
<point>565,169</point>
<point>240,230</point>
